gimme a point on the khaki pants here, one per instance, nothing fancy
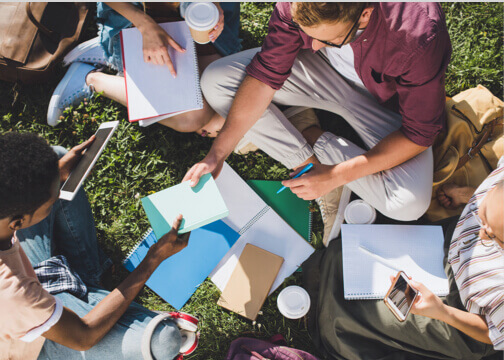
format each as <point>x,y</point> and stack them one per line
<point>402,193</point>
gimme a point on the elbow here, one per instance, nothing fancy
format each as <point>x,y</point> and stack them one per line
<point>85,339</point>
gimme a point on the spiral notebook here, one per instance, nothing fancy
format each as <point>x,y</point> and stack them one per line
<point>259,225</point>
<point>295,211</point>
<point>371,253</point>
<point>178,277</point>
<point>151,91</point>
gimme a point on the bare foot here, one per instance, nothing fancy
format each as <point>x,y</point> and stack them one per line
<point>452,196</point>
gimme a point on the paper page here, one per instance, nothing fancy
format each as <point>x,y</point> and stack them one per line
<point>272,234</point>
<point>243,203</point>
<point>371,253</point>
<point>151,89</point>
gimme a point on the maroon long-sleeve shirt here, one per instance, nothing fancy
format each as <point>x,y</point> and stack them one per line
<point>401,57</point>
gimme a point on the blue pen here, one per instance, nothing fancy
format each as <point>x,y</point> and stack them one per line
<point>304,171</point>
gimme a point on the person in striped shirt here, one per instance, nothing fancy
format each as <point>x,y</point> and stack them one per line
<point>476,256</point>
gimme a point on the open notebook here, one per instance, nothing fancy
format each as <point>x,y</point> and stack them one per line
<point>371,253</point>
<point>151,91</point>
<point>295,211</point>
<point>259,225</point>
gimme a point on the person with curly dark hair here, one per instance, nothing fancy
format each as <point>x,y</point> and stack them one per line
<point>69,315</point>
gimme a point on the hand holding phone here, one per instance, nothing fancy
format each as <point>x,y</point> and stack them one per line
<point>401,296</point>
<point>94,147</point>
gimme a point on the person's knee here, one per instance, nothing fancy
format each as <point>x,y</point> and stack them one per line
<point>408,207</point>
<point>166,341</point>
<point>211,79</point>
<point>59,150</point>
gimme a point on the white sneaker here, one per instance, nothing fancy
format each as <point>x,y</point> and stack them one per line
<point>71,90</point>
<point>89,52</point>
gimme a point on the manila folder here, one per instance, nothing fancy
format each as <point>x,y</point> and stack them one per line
<point>250,281</point>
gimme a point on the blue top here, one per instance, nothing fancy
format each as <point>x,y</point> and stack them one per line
<point>110,24</point>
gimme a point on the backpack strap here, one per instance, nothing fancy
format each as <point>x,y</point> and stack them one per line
<point>253,353</point>
<point>278,339</point>
<point>479,143</point>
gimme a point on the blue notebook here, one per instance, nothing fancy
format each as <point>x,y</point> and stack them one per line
<point>199,205</point>
<point>178,277</point>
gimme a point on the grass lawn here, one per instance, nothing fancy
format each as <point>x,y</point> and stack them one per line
<point>140,160</point>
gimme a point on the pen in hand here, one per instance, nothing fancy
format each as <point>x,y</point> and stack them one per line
<point>304,171</point>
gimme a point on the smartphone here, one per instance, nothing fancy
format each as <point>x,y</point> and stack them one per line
<point>86,163</point>
<point>401,296</point>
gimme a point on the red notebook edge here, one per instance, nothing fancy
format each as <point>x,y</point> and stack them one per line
<point>124,72</point>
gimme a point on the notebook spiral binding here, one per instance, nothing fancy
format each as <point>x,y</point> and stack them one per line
<point>254,220</point>
<point>144,236</point>
<point>199,95</point>
<point>309,227</point>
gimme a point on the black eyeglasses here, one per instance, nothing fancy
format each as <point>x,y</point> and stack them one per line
<point>328,43</point>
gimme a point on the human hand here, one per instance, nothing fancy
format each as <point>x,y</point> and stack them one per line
<point>320,180</point>
<point>209,164</point>
<point>71,158</point>
<point>217,30</point>
<point>170,243</point>
<point>155,46</point>
<point>427,304</point>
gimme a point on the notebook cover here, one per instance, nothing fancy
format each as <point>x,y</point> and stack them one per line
<point>371,253</point>
<point>151,91</point>
<point>178,277</point>
<point>250,281</point>
<point>199,206</point>
<point>293,210</point>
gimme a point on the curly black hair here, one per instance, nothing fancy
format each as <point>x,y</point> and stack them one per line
<point>28,169</point>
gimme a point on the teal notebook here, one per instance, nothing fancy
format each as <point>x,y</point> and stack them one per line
<point>199,205</point>
<point>293,210</point>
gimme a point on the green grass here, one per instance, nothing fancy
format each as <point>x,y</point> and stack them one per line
<point>140,160</point>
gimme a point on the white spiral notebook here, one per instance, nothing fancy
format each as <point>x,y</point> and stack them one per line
<point>371,253</point>
<point>258,224</point>
<point>151,91</point>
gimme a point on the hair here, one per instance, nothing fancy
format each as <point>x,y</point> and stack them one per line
<point>28,169</point>
<point>314,13</point>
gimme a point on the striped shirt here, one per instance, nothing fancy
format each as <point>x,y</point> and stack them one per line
<point>479,269</point>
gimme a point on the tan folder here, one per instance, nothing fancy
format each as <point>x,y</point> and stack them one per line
<point>250,281</point>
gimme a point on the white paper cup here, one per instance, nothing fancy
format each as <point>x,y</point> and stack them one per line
<point>293,302</point>
<point>360,212</point>
<point>201,17</point>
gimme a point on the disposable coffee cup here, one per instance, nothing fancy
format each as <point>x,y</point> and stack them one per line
<point>360,212</point>
<point>201,17</point>
<point>293,302</point>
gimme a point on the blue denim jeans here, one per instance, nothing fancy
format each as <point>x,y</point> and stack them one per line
<point>70,230</point>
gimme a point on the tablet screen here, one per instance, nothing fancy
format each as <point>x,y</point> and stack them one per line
<point>80,170</point>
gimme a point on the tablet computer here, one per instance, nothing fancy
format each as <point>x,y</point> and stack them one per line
<point>86,163</point>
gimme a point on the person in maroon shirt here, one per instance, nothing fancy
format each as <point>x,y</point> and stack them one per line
<point>380,66</point>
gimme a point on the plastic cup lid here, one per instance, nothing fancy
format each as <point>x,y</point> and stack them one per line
<point>202,16</point>
<point>360,212</point>
<point>293,302</point>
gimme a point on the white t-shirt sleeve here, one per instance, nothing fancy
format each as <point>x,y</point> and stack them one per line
<point>39,330</point>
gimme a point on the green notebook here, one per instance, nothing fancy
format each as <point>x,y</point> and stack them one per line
<point>199,205</point>
<point>293,210</point>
